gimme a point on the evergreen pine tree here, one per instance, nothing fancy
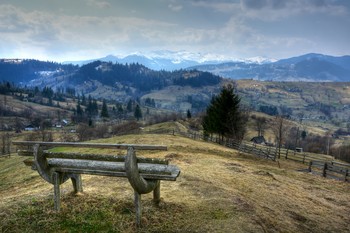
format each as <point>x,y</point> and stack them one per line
<point>224,115</point>
<point>83,100</point>
<point>94,108</point>
<point>120,108</point>
<point>79,110</point>
<point>129,106</point>
<point>104,111</point>
<point>138,113</point>
<point>189,115</point>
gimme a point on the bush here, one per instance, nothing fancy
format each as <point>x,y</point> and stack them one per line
<point>342,153</point>
<point>164,118</point>
<point>124,128</point>
<point>84,132</point>
<point>101,131</point>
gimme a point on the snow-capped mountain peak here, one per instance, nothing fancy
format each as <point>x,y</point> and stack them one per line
<point>171,60</point>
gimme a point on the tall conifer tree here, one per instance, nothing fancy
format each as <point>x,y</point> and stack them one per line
<point>104,111</point>
<point>224,115</point>
<point>138,112</point>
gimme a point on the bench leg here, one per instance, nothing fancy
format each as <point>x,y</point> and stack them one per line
<point>156,193</point>
<point>138,208</point>
<point>57,193</point>
<point>77,183</point>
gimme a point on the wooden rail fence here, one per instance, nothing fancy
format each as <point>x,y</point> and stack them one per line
<point>333,169</point>
<point>326,166</point>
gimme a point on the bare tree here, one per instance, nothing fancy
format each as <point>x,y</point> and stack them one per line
<point>260,125</point>
<point>5,144</point>
<point>279,129</point>
<point>67,136</point>
<point>101,131</point>
<point>18,125</point>
<point>84,132</point>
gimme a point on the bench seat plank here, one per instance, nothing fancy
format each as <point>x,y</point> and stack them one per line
<point>147,171</point>
<point>118,174</point>
<point>102,157</point>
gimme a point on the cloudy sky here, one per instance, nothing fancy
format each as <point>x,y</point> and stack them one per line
<point>60,30</point>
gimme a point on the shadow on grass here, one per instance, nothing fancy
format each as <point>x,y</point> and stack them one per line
<point>88,213</point>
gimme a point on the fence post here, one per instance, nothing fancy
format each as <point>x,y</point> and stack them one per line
<point>287,153</point>
<point>325,169</point>
<point>310,165</point>
<point>304,158</point>
<point>346,175</point>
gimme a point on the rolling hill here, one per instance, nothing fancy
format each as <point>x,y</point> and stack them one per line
<point>309,67</point>
<point>193,89</point>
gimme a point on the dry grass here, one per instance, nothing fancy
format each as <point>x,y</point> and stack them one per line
<point>218,190</point>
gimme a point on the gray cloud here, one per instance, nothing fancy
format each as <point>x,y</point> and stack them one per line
<point>243,28</point>
<point>11,21</point>
<point>295,6</point>
<point>175,7</point>
<point>280,4</point>
<point>98,3</point>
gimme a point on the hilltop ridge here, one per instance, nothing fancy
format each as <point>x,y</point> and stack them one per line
<point>219,190</point>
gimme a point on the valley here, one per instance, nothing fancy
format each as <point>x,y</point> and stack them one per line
<point>114,103</point>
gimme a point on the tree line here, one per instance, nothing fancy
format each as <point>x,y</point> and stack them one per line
<point>140,77</point>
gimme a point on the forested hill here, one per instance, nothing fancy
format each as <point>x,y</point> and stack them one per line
<point>23,71</point>
<point>140,77</point>
<point>114,75</point>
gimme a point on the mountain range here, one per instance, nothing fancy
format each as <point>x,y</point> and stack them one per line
<point>310,67</point>
<point>194,87</point>
<point>169,60</point>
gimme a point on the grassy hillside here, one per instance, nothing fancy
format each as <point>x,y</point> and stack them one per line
<point>28,110</point>
<point>324,103</point>
<point>218,190</point>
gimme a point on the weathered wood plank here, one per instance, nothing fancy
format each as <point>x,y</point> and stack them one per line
<point>341,164</point>
<point>102,157</point>
<point>337,169</point>
<point>25,153</point>
<point>92,145</point>
<point>99,157</point>
<point>171,177</point>
<point>108,166</point>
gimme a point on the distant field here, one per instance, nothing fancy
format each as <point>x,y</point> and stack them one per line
<point>218,190</point>
<point>17,105</point>
<point>327,103</point>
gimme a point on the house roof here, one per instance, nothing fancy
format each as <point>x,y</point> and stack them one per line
<point>258,139</point>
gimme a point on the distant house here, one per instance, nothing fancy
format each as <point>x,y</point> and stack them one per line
<point>258,140</point>
<point>299,149</point>
<point>30,128</point>
<point>65,122</point>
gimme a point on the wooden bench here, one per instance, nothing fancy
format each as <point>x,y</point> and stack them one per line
<point>144,174</point>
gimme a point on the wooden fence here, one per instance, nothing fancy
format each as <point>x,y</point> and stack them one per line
<point>317,163</point>
<point>241,146</point>
<point>4,155</point>
<point>335,170</point>
<point>304,158</point>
